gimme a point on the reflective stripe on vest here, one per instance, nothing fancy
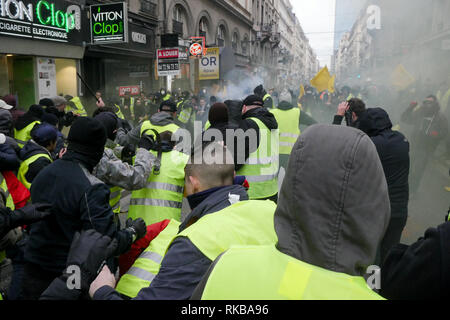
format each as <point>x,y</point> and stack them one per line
<point>163,195</point>
<point>288,122</point>
<point>79,107</point>
<point>9,200</point>
<point>243,223</point>
<point>147,265</point>
<point>25,165</point>
<point>264,273</point>
<point>207,125</point>
<point>147,127</point>
<point>119,112</point>
<point>261,168</point>
<point>114,199</point>
<point>267,96</point>
<point>185,115</point>
<point>167,97</point>
<point>24,135</point>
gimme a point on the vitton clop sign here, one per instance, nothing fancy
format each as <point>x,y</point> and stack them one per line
<point>109,23</point>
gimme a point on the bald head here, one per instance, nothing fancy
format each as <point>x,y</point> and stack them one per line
<point>214,167</point>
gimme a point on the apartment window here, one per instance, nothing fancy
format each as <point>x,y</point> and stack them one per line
<point>221,36</point>
<point>203,27</point>
<point>177,15</point>
<point>235,41</point>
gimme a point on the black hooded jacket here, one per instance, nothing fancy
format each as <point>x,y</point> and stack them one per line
<point>79,202</point>
<point>421,270</point>
<point>393,150</point>
<point>33,114</point>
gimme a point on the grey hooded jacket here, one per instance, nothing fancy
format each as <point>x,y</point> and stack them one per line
<point>333,208</point>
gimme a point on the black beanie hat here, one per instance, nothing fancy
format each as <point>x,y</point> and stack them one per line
<point>36,110</point>
<point>109,121</point>
<point>88,137</point>
<point>168,106</point>
<point>50,118</point>
<point>218,113</point>
<point>46,102</point>
<point>253,100</point>
<point>259,90</point>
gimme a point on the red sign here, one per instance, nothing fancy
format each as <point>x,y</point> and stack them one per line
<point>132,90</point>
<point>168,53</point>
<point>196,49</point>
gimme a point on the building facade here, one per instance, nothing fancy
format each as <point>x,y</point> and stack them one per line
<point>255,37</point>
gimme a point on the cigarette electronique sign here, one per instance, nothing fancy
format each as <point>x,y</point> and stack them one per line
<point>109,23</point>
<point>52,20</point>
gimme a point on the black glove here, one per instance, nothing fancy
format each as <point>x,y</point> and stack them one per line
<point>146,142</point>
<point>128,152</point>
<point>137,228</point>
<point>30,214</point>
<point>89,252</point>
<point>69,118</point>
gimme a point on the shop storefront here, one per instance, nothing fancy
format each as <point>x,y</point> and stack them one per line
<point>41,44</point>
<point>110,67</point>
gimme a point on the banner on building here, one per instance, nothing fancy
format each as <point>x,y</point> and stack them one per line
<point>46,71</point>
<point>209,65</point>
<point>168,62</point>
<point>109,23</point>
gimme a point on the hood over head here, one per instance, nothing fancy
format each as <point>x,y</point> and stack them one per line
<point>334,206</point>
<point>6,123</point>
<point>264,115</point>
<point>161,119</point>
<point>374,121</point>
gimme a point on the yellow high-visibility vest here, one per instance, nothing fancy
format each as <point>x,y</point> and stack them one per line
<point>288,124</point>
<point>147,265</point>
<point>264,273</point>
<point>262,166</point>
<point>24,135</point>
<point>25,165</point>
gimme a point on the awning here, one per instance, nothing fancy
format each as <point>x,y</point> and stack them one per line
<point>40,48</point>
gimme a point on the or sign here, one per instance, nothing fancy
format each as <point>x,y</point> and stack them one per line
<point>209,65</point>
<point>132,90</point>
<point>46,72</point>
<point>109,23</point>
<point>168,62</point>
<point>55,20</point>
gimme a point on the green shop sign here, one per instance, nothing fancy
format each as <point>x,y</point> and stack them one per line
<point>109,23</point>
<point>51,20</point>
